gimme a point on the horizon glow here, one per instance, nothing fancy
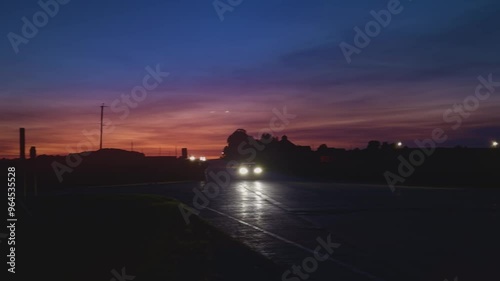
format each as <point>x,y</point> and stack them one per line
<point>232,74</point>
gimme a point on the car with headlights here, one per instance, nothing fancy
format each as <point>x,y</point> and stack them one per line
<point>220,168</point>
<point>249,170</point>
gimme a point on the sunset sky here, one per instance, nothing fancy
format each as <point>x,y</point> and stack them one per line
<point>231,74</point>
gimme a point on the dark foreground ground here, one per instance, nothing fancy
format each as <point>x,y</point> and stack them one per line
<point>142,237</point>
<point>414,234</point>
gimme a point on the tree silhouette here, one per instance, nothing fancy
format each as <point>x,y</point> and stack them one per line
<point>373,145</point>
<point>233,143</point>
<point>237,137</point>
<point>322,148</point>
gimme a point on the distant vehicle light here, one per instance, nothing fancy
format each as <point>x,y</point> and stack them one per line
<point>400,144</point>
<point>243,171</point>
<point>257,170</point>
<point>203,158</point>
<point>192,158</point>
<point>495,144</point>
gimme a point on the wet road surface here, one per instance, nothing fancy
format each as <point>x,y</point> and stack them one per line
<point>374,234</point>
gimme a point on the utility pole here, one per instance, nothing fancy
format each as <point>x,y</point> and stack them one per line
<point>102,115</point>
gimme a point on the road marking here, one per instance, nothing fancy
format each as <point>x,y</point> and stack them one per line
<point>338,262</point>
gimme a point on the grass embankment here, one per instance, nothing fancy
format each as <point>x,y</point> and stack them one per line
<point>86,237</point>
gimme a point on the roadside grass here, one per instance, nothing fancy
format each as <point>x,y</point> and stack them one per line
<point>85,237</point>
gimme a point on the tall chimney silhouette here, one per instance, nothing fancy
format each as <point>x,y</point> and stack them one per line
<point>22,144</point>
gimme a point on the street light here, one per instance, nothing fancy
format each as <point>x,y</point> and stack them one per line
<point>399,144</point>
<point>494,144</point>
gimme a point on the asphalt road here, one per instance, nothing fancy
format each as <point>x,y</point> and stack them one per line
<point>414,234</point>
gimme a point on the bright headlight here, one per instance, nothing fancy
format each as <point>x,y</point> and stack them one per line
<point>257,170</point>
<point>243,171</point>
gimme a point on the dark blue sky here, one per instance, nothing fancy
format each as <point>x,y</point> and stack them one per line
<point>232,73</point>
